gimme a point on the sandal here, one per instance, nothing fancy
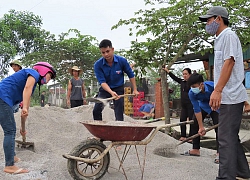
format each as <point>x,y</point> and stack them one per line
<point>187,153</point>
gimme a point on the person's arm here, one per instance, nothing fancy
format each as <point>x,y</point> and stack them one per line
<point>133,82</point>
<point>215,98</point>
<point>69,92</point>
<point>26,100</point>
<point>179,80</point>
<point>201,131</point>
<point>197,112</point>
<point>246,107</point>
<point>84,94</point>
<point>128,70</point>
<point>106,87</point>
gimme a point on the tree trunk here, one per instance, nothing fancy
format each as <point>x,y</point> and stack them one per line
<point>165,97</point>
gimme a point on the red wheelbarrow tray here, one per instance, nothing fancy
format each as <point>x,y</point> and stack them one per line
<point>118,130</point>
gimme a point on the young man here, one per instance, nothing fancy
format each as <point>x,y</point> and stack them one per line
<point>14,89</point>
<point>76,89</point>
<point>199,95</point>
<point>229,93</point>
<point>109,71</point>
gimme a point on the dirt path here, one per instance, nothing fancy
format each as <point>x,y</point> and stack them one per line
<point>55,131</point>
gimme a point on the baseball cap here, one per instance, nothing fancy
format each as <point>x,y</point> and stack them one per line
<point>215,11</point>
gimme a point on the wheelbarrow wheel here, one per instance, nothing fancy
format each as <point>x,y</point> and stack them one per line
<point>89,149</point>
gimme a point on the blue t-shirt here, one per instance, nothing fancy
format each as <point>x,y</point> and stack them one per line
<point>114,75</point>
<point>201,100</point>
<point>11,88</point>
<point>146,107</point>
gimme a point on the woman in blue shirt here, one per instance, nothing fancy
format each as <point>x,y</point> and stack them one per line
<point>14,89</point>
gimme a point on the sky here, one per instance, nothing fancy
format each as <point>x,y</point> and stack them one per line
<point>90,17</point>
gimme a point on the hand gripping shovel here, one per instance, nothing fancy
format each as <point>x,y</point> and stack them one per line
<point>105,101</point>
<point>24,143</point>
<point>196,135</point>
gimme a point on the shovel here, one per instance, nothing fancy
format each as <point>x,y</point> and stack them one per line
<point>196,135</point>
<point>24,143</point>
<point>105,101</point>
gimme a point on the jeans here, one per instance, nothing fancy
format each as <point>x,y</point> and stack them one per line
<point>15,108</point>
<point>8,124</point>
<point>118,104</point>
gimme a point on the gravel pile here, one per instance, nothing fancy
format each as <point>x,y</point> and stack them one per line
<point>56,131</point>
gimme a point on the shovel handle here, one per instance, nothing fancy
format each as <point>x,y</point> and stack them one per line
<point>196,135</point>
<point>100,100</point>
<point>155,120</point>
<point>114,97</point>
<point>23,119</point>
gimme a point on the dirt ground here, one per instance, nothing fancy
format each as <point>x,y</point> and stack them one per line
<point>56,131</point>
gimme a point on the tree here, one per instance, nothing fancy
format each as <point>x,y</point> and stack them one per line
<point>174,30</point>
<point>71,49</point>
<point>20,33</point>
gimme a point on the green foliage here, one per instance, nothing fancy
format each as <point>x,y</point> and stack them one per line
<point>175,29</point>
<point>36,98</point>
<point>71,49</point>
<point>20,33</point>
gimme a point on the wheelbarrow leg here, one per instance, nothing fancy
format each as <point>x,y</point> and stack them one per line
<point>144,160</point>
<point>125,153</point>
<point>124,173</point>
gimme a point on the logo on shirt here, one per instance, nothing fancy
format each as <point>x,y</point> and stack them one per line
<point>118,72</point>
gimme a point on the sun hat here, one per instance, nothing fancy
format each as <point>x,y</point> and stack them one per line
<point>16,62</point>
<point>75,68</point>
<point>215,11</point>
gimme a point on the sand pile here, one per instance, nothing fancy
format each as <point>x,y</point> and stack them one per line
<point>56,131</point>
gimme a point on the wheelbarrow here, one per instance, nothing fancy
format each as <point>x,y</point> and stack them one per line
<point>91,158</point>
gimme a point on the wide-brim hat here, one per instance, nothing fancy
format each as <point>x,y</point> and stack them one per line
<point>16,62</point>
<point>75,68</point>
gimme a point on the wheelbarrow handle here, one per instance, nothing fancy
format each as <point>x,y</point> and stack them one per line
<point>196,135</point>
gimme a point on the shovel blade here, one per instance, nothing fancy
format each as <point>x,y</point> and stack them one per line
<point>25,145</point>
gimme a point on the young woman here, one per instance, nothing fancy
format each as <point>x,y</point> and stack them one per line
<point>14,89</point>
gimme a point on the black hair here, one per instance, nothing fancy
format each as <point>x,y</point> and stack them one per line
<point>188,70</point>
<point>195,78</point>
<point>105,43</point>
<point>225,20</point>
